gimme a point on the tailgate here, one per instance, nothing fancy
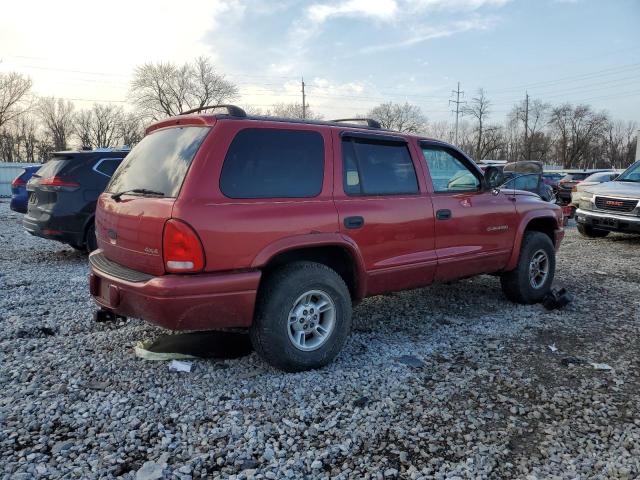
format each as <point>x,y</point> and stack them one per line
<point>130,231</point>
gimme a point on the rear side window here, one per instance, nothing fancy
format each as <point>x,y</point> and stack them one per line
<point>107,166</point>
<point>273,163</point>
<point>373,167</point>
<point>160,161</point>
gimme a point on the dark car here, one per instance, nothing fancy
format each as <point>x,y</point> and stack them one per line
<point>571,179</point>
<point>552,179</point>
<point>19,195</point>
<point>64,192</point>
<point>279,225</point>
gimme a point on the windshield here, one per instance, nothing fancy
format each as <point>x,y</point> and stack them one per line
<point>159,162</point>
<point>631,174</point>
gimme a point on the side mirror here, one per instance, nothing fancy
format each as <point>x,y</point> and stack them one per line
<point>493,177</point>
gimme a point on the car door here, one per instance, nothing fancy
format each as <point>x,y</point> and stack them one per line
<point>474,227</point>
<point>383,206</point>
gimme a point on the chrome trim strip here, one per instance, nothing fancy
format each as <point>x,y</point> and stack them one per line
<point>624,218</point>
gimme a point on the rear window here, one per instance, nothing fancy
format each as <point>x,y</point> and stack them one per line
<point>160,161</point>
<point>374,167</point>
<point>273,163</point>
<point>51,168</point>
<point>572,177</point>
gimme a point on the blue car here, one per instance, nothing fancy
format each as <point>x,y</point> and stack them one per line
<point>19,195</point>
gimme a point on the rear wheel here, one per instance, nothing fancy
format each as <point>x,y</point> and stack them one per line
<point>590,232</point>
<point>531,280</point>
<point>91,242</point>
<point>303,317</point>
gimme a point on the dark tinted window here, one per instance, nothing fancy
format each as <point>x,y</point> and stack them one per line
<point>51,168</point>
<point>160,161</point>
<point>270,163</point>
<point>372,167</point>
<point>108,166</point>
<point>572,177</point>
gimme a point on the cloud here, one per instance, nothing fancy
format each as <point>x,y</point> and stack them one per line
<point>377,9</point>
<point>423,34</point>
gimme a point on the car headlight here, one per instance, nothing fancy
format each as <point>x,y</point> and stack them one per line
<point>586,201</point>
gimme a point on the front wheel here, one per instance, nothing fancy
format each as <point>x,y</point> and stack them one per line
<point>303,317</point>
<point>531,280</point>
<point>590,232</point>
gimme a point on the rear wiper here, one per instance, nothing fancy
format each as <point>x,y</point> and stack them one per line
<point>142,191</point>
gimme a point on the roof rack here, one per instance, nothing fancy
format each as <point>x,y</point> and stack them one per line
<point>232,110</point>
<point>369,121</point>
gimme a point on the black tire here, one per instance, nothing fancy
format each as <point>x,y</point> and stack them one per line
<point>276,298</point>
<point>91,242</point>
<point>516,284</point>
<point>590,232</point>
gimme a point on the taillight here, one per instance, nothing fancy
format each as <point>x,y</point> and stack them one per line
<point>181,248</point>
<point>59,182</point>
<point>18,182</point>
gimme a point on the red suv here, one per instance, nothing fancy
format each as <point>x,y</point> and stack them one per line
<point>280,226</point>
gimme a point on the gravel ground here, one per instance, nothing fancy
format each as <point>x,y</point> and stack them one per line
<point>452,381</point>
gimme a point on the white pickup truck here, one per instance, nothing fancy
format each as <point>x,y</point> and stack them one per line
<point>611,206</point>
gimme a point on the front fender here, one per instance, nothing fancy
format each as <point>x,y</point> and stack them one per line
<point>310,240</point>
<point>522,227</point>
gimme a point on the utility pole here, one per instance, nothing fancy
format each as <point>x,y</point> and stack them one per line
<point>457,101</point>
<point>304,101</point>
<point>526,126</point>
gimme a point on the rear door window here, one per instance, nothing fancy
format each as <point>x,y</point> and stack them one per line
<point>377,167</point>
<point>160,161</point>
<point>273,163</point>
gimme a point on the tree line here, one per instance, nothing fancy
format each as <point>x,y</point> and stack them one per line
<point>568,135</point>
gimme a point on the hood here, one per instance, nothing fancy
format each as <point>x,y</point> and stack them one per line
<point>616,189</point>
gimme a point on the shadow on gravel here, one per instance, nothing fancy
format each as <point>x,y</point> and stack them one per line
<point>218,345</point>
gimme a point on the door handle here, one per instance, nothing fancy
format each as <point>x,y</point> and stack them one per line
<point>353,222</point>
<point>443,214</point>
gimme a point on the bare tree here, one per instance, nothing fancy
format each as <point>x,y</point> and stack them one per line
<point>166,89</point>
<point>57,117</point>
<point>402,117</point>
<point>131,129</point>
<point>577,130</point>
<point>14,88</point>
<point>291,110</point>
<point>99,126</point>
<point>479,109</point>
<point>534,143</point>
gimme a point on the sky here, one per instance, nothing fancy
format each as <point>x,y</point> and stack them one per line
<point>353,54</point>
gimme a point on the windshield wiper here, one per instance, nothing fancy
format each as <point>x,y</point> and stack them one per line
<point>142,191</point>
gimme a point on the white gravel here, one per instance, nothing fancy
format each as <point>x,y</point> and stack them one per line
<point>451,381</point>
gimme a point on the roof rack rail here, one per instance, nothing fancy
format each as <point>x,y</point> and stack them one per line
<point>369,121</point>
<point>232,110</point>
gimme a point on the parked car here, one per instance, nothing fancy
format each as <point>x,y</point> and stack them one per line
<point>593,179</point>
<point>279,226</point>
<point>527,175</point>
<point>571,179</point>
<point>63,195</point>
<point>19,195</point>
<point>611,206</point>
<point>552,179</point>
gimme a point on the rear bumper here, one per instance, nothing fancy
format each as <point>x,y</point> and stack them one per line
<point>177,302</point>
<point>18,204</point>
<point>608,221</point>
<point>47,227</point>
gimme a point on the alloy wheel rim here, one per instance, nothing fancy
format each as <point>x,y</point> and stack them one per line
<point>538,269</point>
<point>311,320</point>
